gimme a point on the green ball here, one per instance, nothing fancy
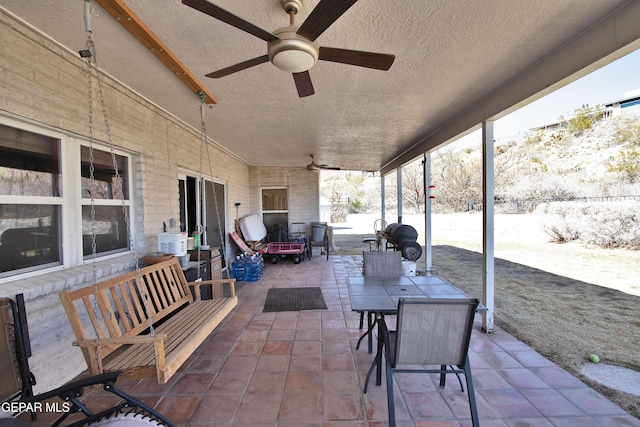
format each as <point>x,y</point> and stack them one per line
<point>594,358</point>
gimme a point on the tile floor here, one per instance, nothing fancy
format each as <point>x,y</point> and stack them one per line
<point>301,369</point>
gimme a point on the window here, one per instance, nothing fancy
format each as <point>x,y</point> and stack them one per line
<point>109,195</point>
<point>45,199</point>
<point>275,208</point>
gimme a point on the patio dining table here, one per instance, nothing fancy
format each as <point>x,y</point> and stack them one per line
<point>380,295</point>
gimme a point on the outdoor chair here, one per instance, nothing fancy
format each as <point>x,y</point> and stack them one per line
<point>320,236</point>
<point>15,350</point>
<point>381,264</point>
<point>430,332</point>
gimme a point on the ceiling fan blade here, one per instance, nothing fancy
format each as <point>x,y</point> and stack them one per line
<point>378,61</point>
<point>329,168</point>
<point>238,67</point>
<point>229,18</point>
<point>321,18</point>
<point>303,84</point>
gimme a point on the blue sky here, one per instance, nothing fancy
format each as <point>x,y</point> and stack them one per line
<point>609,83</point>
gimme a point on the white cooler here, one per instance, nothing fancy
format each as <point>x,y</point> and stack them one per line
<point>172,243</point>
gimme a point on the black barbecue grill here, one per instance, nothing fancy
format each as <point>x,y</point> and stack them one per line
<point>403,238</point>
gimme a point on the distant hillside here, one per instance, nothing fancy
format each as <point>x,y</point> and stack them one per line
<point>600,157</point>
<point>601,160</point>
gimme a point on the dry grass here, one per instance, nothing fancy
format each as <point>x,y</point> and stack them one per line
<point>562,317</point>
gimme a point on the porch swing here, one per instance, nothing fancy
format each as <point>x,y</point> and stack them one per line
<point>145,323</point>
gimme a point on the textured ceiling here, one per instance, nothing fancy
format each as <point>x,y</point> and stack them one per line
<point>457,62</point>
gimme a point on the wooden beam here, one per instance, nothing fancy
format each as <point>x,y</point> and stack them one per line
<point>140,31</point>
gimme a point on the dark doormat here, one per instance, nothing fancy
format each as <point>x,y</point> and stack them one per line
<point>294,299</point>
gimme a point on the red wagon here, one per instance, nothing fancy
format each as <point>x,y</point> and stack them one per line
<point>277,250</point>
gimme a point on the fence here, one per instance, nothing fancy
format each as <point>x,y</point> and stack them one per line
<point>528,205</point>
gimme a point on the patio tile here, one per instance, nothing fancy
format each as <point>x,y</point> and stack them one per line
<point>259,408</point>
<point>305,363</point>
<point>216,408</point>
<point>306,347</point>
<point>272,348</point>
<point>551,403</point>
<point>591,402</point>
<point>520,378</point>
<point>557,377</point>
<point>240,364</point>
<point>178,409</point>
<point>301,369</point>
<point>500,359</point>
<point>230,382</point>
<point>529,422</point>
<point>277,363</point>
<point>281,335</point>
<point>342,407</point>
<point>340,382</point>
<point>531,358</point>
<point>304,382</point>
<point>206,364</point>
<point>247,348</point>
<point>510,404</point>
<point>191,384</point>
<point>301,408</point>
<point>308,333</point>
<point>338,362</point>
<point>427,405</point>
<point>488,379</point>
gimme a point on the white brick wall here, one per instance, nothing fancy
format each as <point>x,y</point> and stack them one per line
<point>303,191</point>
<point>46,85</point>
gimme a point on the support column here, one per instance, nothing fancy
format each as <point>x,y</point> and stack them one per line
<point>399,186</point>
<point>426,173</point>
<point>488,216</point>
<point>382,201</point>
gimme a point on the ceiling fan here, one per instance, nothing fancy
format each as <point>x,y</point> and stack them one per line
<point>315,167</point>
<point>293,48</point>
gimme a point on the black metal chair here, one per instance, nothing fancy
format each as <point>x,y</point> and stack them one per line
<point>15,351</point>
<point>430,332</point>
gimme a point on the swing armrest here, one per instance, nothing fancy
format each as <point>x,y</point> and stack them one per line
<point>216,283</point>
<point>138,339</point>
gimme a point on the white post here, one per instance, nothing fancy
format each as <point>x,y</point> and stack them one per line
<point>426,163</point>
<point>399,186</point>
<point>382,201</point>
<point>488,212</point>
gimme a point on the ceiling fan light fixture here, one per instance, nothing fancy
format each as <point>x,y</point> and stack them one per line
<point>291,52</point>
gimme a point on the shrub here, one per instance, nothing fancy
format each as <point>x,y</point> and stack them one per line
<point>628,133</point>
<point>584,119</point>
<point>627,164</point>
<point>607,224</point>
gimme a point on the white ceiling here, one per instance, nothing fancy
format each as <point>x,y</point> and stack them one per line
<point>458,62</point>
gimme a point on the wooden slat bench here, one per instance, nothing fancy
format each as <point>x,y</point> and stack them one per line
<point>111,320</point>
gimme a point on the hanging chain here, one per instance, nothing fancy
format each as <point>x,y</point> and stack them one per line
<point>90,49</point>
<point>92,67</point>
<point>203,142</point>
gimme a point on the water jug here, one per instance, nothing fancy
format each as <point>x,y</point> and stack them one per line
<point>252,272</point>
<point>238,270</point>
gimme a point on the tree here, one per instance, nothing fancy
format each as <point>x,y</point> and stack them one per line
<point>458,177</point>
<point>413,186</point>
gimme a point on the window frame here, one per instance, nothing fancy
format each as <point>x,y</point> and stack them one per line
<point>71,202</point>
